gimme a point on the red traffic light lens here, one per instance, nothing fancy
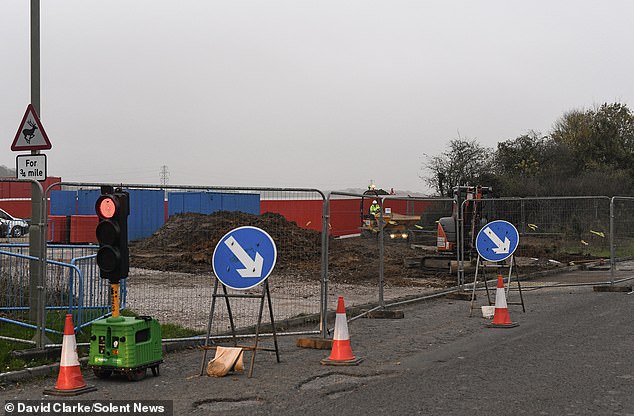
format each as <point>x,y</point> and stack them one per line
<point>106,207</point>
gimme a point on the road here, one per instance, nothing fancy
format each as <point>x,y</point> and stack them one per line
<point>569,355</point>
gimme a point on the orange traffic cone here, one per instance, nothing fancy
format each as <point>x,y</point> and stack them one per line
<point>501,318</point>
<point>69,381</point>
<point>341,353</point>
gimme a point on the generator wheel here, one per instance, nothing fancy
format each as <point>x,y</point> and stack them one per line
<point>137,375</point>
<point>101,373</point>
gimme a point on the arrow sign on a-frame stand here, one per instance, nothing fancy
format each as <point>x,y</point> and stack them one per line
<point>242,259</point>
<point>495,242</point>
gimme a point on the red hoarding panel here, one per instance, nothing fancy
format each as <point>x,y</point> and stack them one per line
<point>58,230</point>
<point>82,228</point>
<point>23,189</point>
<point>345,214</point>
<point>305,213</point>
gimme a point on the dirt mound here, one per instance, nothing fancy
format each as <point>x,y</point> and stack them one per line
<point>354,260</point>
<point>186,242</point>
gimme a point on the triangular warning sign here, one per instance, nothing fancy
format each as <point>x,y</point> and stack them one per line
<point>31,134</point>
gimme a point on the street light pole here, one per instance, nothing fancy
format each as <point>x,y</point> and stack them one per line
<point>37,239</point>
<point>35,55</point>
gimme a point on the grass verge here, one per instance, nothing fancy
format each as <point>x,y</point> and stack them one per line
<point>10,363</point>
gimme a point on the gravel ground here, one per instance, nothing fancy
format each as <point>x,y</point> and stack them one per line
<point>381,343</point>
<point>299,379</point>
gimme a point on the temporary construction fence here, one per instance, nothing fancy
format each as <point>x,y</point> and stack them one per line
<point>170,276</point>
<point>585,234</point>
<point>554,233</point>
<point>181,292</point>
<point>327,247</point>
<point>369,264</point>
<point>621,234</point>
<point>70,285</point>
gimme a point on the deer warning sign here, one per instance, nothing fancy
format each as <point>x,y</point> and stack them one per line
<point>31,134</point>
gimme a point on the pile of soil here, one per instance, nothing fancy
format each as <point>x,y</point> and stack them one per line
<point>186,242</point>
<point>355,260</point>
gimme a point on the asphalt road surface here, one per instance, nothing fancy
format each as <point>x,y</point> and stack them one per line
<point>570,355</point>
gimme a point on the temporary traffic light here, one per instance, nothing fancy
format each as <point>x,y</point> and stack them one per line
<point>113,208</point>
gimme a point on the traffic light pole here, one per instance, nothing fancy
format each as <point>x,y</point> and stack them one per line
<point>114,294</point>
<point>113,208</point>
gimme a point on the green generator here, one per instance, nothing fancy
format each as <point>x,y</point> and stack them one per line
<point>125,345</point>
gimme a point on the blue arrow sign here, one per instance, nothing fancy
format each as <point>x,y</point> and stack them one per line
<point>244,257</point>
<point>497,240</point>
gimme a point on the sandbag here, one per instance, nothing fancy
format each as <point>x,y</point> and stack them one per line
<point>226,359</point>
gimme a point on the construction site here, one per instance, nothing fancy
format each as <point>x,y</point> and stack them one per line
<point>377,249</point>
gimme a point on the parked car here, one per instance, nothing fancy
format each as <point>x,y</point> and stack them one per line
<point>11,226</point>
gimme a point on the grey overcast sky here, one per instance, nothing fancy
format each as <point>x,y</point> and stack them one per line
<point>326,94</point>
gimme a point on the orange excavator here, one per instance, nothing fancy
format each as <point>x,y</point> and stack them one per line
<point>474,217</point>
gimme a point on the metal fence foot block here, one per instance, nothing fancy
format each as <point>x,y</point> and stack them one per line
<point>315,343</point>
<point>612,288</point>
<point>459,296</point>
<point>386,314</point>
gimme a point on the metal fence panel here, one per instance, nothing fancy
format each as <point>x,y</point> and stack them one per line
<point>622,235</point>
<point>373,264</point>
<point>15,295</point>
<point>71,287</point>
<point>92,293</point>
<point>366,260</point>
<point>171,277</point>
<point>556,234</point>
<point>184,296</point>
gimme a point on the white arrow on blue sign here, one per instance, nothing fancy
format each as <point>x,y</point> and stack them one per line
<point>497,240</point>
<point>244,257</point>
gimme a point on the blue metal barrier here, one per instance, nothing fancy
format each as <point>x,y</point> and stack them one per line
<point>93,293</point>
<point>72,284</point>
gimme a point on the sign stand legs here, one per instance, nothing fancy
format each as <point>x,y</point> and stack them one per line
<point>519,286</point>
<point>265,294</point>
<point>475,283</point>
<point>508,286</point>
<point>211,316</point>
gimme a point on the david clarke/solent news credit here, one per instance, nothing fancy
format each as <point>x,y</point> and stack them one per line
<point>89,407</point>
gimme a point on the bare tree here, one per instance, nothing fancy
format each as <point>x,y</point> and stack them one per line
<point>466,162</point>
